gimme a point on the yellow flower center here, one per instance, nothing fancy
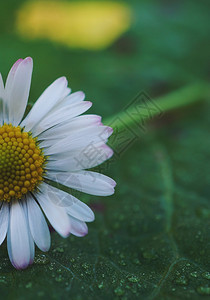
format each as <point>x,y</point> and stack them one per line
<point>21,163</point>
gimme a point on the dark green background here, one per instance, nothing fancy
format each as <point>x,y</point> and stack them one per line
<point>150,239</point>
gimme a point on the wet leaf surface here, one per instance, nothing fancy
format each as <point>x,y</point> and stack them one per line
<point>149,240</point>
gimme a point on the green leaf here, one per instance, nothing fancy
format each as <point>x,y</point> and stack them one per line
<point>149,240</point>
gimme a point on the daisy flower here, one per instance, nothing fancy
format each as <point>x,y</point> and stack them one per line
<point>53,143</point>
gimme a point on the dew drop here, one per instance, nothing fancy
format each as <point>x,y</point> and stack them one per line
<point>149,254</point>
<point>85,266</point>
<point>51,266</point>
<point>206,275</point>
<point>58,250</point>
<point>133,279</point>
<point>182,280</point>
<point>29,285</point>
<point>41,259</point>
<point>119,291</point>
<point>194,274</point>
<point>203,290</point>
<point>101,285</point>
<point>136,261</point>
<point>3,279</point>
<point>59,278</point>
<point>122,263</point>
<point>59,270</point>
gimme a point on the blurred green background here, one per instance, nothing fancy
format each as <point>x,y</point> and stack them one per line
<point>149,240</point>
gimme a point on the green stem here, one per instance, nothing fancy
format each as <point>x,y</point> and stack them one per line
<point>177,99</point>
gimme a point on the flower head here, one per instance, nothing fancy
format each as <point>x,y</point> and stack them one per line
<point>53,143</point>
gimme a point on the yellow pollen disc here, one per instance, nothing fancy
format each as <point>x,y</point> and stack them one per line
<point>21,163</point>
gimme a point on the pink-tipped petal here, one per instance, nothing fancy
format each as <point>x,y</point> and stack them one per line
<point>85,181</point>
<point>17,89</point>
<point>78,228</point>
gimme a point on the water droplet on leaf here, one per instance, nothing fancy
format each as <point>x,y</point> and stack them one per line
<point>203,290</point>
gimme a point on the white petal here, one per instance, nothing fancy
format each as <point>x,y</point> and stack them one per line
<point>38,226</point>
<point>18,243</point>
<point>32,248</point>
<point>78,140</point>
<point>1,100</point>
<point>4,221</point>
<point>1,87</point>
<point>88,157</point>
<point>73,206</point>
<point>81,211</point>
<point>12,72</point>
<point>85,181</point>
<point>62,108</point>
<point>61,115</point>
<point>17,89</point>
<point>31,241</point>
<point>77,123</point>
<point>76,97</point>
<point>56,215</point>
<point>71,99</point>
<point>78,227</point>
<point>9,83</point>
<point>50,97</point>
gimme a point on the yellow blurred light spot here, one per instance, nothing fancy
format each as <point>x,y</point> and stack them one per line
<point>88,25</point>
